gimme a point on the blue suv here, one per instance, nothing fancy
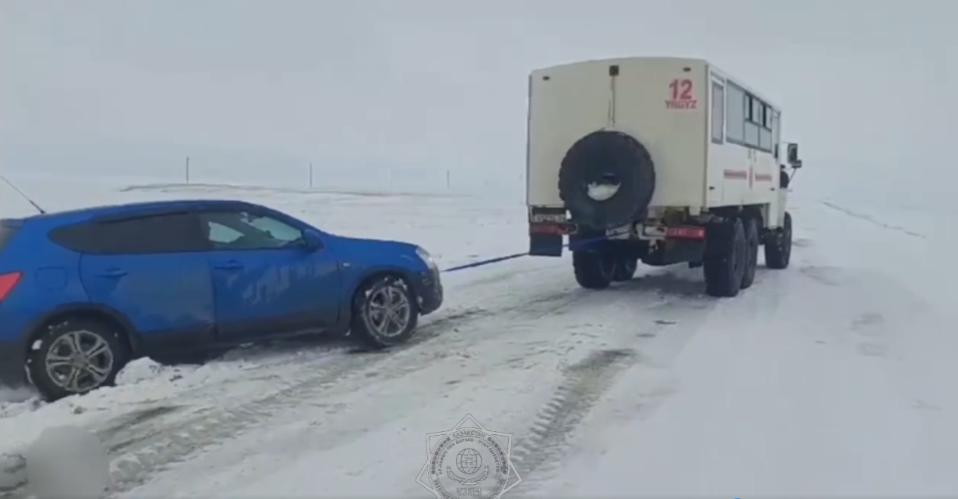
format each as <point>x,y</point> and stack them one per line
<point>83,292</point>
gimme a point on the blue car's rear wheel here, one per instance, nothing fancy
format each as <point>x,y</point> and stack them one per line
<point>76,356</point>
<point>385,312</point>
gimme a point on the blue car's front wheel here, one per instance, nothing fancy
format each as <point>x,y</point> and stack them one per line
<point>385,311</point>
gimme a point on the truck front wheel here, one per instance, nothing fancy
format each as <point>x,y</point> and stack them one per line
<point>778,247</point>
<point>593,269</point>
<point>726,256</point>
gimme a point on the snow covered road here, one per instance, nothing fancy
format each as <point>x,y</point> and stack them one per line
<point>822,380</point>
<point>831,377</point>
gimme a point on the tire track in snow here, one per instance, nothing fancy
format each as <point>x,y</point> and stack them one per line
<point>638,390</point>
<point>341,423</point>
<point>142,441</point>
<point>652,339</point>
<point>541,448</point>
<point>155,436</point>
<point>585,382</point>
<point>174,444</point>
<point>146,447</point>
<point>276,361</point>
<point>147,441</point>
<point>871,220</point>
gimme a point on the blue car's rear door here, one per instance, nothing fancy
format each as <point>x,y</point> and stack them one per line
<point>266,283</point>
<point>153,271</point>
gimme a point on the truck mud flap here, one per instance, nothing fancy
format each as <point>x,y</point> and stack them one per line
<point>547,226</point>
<point>545,244</point>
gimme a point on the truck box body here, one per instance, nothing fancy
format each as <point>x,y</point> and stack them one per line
<point>690,116</point>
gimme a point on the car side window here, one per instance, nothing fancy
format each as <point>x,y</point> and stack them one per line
<point>169,233</point>
<point>277,229</point>
<point>221,234</point>
<point>240,230</point>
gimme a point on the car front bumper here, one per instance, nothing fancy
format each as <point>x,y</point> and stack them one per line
<point>430,292</point>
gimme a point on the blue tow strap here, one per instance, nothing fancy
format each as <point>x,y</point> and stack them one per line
<point>486,262</point>
<point>481,263</point>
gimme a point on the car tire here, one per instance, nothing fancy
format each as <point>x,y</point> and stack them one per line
<point>76,356</point>
<point>373,312</point>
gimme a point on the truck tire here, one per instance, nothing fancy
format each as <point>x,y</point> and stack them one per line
<point>624,269</point>
<point>726,255</point>
<point>593,269</point>
<point>778,247</point>
<point>752,244</point>
<point>616,161</point>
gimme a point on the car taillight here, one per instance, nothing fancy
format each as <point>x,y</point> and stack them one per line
<point>8,282</point>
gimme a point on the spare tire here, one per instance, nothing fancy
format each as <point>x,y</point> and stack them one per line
<point>606,180</point>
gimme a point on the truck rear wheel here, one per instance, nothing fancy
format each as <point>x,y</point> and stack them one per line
<point>752,243</point>
<point>593,269</point>
<point>726,256</point>
<point>625,268</point>
<point>778,247</point>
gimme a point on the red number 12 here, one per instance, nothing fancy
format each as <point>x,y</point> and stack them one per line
<point>681,89</point>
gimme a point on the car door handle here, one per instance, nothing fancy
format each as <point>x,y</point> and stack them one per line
<point>112,273</point>
<point>230,265</point>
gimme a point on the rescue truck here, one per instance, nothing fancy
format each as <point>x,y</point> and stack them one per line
<point>661,160</point>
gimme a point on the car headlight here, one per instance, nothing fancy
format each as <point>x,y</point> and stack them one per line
<point>426,258</point>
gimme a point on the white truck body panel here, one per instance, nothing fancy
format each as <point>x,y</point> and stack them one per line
<point>667,105</point>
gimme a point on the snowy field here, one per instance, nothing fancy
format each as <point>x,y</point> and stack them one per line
<point>834,377</point>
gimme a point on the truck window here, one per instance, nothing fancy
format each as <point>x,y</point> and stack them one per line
<point>758,111</point>
<point>718,113</point>
<point>734,113</point>
<point>751,133</point>
<point>765,139</point>
<point>775,133</point>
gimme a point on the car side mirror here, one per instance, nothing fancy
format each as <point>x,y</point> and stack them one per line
<point>791,156</point>
<point>312,241</point>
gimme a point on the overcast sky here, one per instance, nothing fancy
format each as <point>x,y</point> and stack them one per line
<point>442,84</point>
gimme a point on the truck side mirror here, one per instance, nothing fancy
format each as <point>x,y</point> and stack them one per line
<point>792,156</point>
